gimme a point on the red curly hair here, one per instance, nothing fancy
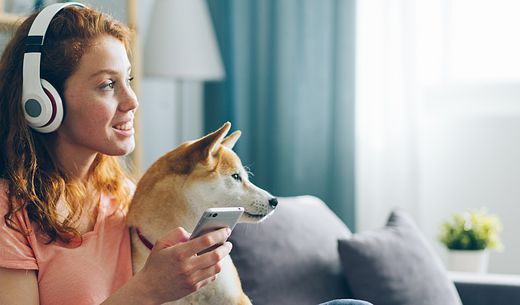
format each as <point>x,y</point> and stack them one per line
<point>36,181</point>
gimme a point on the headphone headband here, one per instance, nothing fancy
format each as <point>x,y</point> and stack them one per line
<point>41,103</point>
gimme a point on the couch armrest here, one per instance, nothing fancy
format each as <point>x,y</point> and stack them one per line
<point>485,289</point>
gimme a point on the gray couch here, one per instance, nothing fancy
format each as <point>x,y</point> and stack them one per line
<point>292,259</point>
<point>490,289</point>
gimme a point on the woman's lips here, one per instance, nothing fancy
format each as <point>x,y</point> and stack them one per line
<point>126,129</point>
<point>124,126</point>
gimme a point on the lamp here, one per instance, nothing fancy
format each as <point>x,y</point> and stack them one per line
<point>181,45</point>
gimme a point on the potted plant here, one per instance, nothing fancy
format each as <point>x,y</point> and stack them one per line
<point>469,236</point>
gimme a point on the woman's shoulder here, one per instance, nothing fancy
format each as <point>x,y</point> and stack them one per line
<point>18,217</point>
<point>17,250</point>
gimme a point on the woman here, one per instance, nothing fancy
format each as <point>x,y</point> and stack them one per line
<point>63,194</point>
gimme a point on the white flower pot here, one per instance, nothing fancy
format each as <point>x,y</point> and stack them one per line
<point>468,260</point>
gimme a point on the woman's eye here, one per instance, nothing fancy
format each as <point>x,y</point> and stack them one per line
<point>237,177</point>
<point>108,86</point>
<point>129,81</point>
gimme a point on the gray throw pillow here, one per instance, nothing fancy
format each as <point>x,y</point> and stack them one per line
<point>292,257</point>
<point>396,266</point>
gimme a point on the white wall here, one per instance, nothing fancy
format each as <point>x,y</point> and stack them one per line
<point>438,115</point>
<point>166,119</point>
<point>468,157</point>
<point>469,148</point>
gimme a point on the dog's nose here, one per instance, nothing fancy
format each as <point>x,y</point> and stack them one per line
<point>273,202</point>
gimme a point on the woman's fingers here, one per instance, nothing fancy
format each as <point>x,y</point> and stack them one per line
<point>206,276</point>
<point>201,243</point>
<point>209,259</point>
<point>174,237</point>
<point>174,270</point>
<point>199,270</point>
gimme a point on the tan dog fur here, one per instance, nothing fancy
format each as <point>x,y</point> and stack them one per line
<point>176,190</point>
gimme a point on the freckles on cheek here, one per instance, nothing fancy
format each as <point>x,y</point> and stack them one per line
<point>97,123</point>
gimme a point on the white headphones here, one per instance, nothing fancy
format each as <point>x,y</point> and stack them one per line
<point>41,103</point>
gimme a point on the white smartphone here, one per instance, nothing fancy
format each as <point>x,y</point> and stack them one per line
<point>217,218</point>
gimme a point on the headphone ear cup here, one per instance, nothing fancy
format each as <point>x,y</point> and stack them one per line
<point>56,105</point>
<point>41,102</point>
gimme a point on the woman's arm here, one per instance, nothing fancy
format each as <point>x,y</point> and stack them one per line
<point>18,287</point>
<point>174,270</point>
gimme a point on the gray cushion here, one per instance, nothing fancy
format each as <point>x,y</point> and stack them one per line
<point>291,258</point>
<point>396,266</point>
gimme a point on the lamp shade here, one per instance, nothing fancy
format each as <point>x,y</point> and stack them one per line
<point>181,42</point>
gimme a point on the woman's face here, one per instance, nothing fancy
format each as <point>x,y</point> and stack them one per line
<point>99,102</point>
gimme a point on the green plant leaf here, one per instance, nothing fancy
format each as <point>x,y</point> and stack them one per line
<point>473,230</point>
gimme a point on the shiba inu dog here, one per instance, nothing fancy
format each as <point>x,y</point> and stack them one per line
<point>179,187</point>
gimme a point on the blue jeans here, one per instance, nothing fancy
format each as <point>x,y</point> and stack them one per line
<point>346,302</point>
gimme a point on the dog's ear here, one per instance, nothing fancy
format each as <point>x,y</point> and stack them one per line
<point>232,139</point>
<point>216,138</point>
<point>185,157</point>
<point>209,144</point>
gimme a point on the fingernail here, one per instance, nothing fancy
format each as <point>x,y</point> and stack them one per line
<point>228,231</point>
<point>229,245</point>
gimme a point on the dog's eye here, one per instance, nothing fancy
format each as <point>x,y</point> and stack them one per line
<point>237,177</point>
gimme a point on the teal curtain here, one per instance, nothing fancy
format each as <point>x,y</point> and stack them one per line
<point>289,87</point>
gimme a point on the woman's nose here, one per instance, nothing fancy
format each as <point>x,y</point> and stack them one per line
<point>128,100</point>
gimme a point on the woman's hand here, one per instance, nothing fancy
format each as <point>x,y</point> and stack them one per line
<point>174,270</point>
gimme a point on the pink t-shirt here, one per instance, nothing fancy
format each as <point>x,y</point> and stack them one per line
<point>84,274</point>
